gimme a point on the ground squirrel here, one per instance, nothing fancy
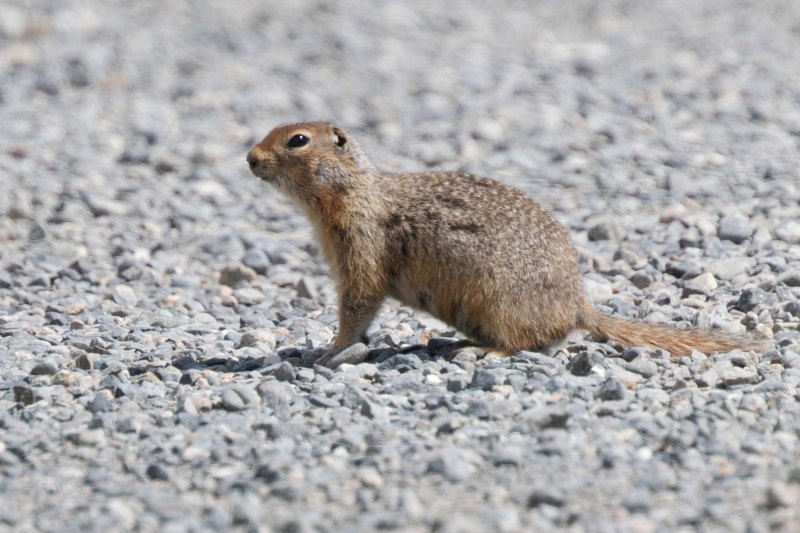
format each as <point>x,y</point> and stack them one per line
<point>471,251</point>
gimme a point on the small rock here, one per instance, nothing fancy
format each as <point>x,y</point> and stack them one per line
<point>259,339</point>
<point>256,259</point>
<point>249,296</point>
<point>539,418</point>
<point>370,477</point>
<point>352,355</point>
<point>541,497</point>
<point>604,231</point>
<point>452,464</point>
<point>24,394</point>
<point>102,207</point>
<point>235,272</point>
<point>641,280</point>
<point>751,298</point>
<point>92,437</point>
<point>13,22</point>
<point>790,278</point>
<point>432,379</point>
<point>487,378</point>
<point>753,402</point>
<point>488,129</point>
<point>508,455</point>
<point>323,401</point>
<point>734,228</point>
<point>597,290</point>
<point>781,495</point>
<point>709,378</point>
<point>735,375</point>
<point>238,397</point>
<point>706,281</point>
<point>644,367</point>
<point>130,424</point>
<point>582,364</point>
<point>124,295</point>
<point>101,403</point>
<point>305,374</point>
<point>729,267</point>
<point>157,472</point>
<point>788,231</point>
<point>611,389</point>
<point>683,269</point>
<point>85,361</point>
<point>185,404</point>
<point>275,395</point>
<point>232,401</point>
<point>45,368</point>
<point>283,371</point>
<point>306,288</point>
<point>65,378</point>
<point>672,212</point>
<point>458,383</point>
<point>374,410</point>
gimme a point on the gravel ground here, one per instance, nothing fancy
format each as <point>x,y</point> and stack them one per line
<point>160,310</point>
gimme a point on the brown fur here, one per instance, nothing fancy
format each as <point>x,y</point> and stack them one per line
<point>471,251</point>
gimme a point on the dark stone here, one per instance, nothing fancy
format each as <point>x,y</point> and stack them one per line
<point>100,404</point>
<point>157,472</point>
<point>683,269</point>
<point>581,364</point>
<point>611,389</point>
<point>545,497</point>
<point>751,298</point>
<point>46,368</point>
<point>24,394</point>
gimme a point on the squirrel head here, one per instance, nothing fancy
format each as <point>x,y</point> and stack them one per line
<point>310,161</point>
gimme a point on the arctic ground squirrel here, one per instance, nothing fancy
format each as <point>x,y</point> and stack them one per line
<point>471,251</point>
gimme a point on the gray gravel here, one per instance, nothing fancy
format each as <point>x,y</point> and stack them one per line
<point>161,311</point>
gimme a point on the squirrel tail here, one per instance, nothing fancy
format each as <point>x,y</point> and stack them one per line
<point>678,342</point>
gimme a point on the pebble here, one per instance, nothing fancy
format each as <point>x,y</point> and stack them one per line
<point>101,403</point>
<point>239,397</point>
<point>788,231</point>
<point>282,371</point>
<point>790,278</point>
<point>487,378</point>
<point>235,273</point>
<point>612,389</point>
<point>306,289</point>
<point>352,355</point>
<point>124,295</point>
<point>92,437</point>
<point>739,376</point>
<point>452,463</point>
<point>374,410</point>
<point>643,367</point>
<point>257,260</point>
<point>46,368</point>
<point>24,394</point>
<point>64,378</point>
<point>734,228</point>
<point>258,339</point>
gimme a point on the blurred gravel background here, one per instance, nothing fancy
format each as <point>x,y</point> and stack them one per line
<point>160,310</point>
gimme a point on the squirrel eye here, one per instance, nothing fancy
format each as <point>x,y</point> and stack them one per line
<point>298,141</point>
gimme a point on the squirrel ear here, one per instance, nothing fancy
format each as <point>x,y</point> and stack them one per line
<point>339,137</point>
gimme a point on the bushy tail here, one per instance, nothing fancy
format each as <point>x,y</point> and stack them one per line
<point>678,342</point>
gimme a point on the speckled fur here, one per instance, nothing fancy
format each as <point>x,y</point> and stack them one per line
<point>471,251</point>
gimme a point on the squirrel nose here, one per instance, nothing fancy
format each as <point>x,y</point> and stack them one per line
<point>252,160</point>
